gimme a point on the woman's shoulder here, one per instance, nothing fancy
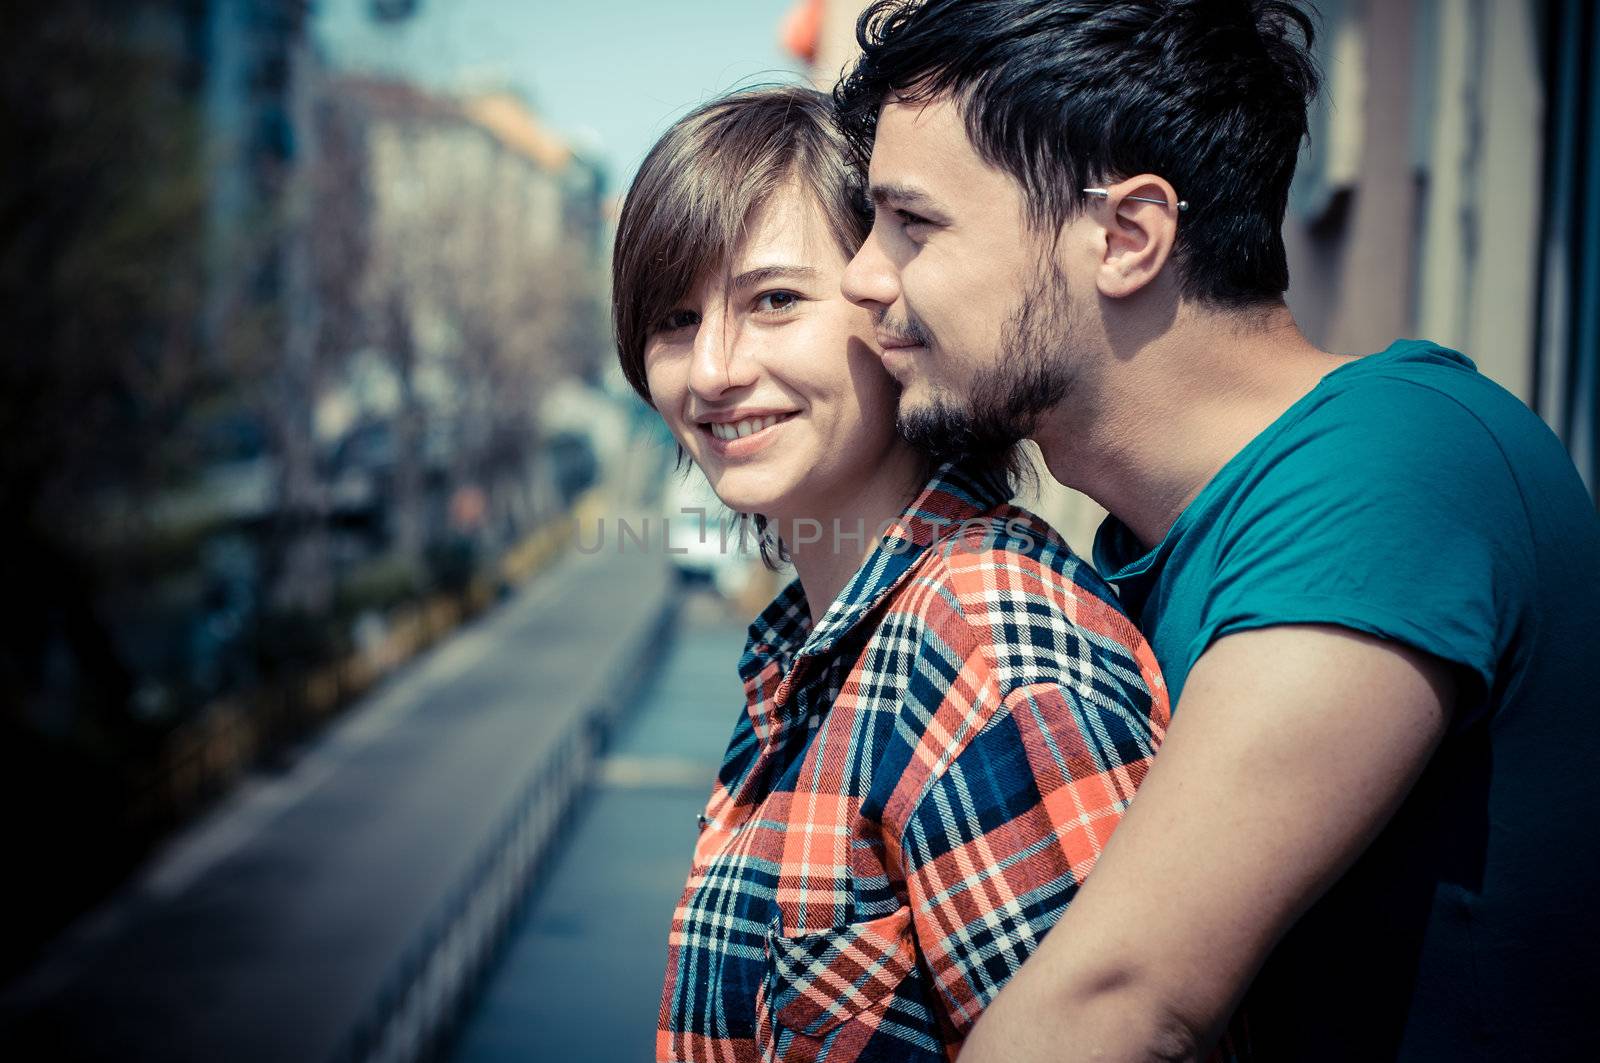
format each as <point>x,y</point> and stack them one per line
<point>1000,611</point>
<point>1019,587</point>
<point>1009,557</point>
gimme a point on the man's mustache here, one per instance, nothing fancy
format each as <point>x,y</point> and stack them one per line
<point>910,331</point>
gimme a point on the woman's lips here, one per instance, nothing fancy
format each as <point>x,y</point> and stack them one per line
<point>745,446</point>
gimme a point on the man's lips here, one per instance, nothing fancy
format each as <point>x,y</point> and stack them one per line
<point>894,343</point>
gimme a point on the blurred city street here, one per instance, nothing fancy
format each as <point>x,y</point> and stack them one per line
<point>265,932</point>
<point>581,978</point>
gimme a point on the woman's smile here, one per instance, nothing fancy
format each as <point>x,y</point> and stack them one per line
<point>745,436</point>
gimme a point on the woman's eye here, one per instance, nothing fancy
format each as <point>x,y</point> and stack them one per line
<point>908,218</point>
<point>776,302</point>
<point>679,319</point>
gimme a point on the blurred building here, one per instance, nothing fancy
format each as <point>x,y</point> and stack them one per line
<point>480,288</point>
<point>251,59</point>
<point>1451,190</point>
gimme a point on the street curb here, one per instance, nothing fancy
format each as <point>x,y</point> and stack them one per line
<point>203,760</point>
<point>225,743</point>
<point>422,1001</point>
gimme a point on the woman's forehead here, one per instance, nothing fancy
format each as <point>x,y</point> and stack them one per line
<point>787,230</point>
<point>785,237</point>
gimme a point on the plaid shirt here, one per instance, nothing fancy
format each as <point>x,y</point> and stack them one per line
<point>914,794</point>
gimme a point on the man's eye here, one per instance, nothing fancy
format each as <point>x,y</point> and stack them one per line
<point>908,218</point>
<point>776,302</point>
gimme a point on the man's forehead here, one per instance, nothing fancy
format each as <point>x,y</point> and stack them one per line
<point>937,116</point>
<point>922,151</point>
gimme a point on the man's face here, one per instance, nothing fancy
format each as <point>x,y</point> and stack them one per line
<point>971,312</point>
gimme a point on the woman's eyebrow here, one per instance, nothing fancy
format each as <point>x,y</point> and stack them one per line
<point>751,277</point>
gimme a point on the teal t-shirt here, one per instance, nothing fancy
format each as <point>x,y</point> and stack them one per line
<point>1409,497</point>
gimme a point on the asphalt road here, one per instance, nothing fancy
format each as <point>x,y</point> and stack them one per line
<point>264,932</point>
<point>580,982</point>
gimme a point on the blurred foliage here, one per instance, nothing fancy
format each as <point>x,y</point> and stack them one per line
<point>378,586</point>
<point>101,274</point>
<point>184,280</point>
<point>103,203</point>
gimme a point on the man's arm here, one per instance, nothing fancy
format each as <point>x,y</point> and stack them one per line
<point>1291,748</point>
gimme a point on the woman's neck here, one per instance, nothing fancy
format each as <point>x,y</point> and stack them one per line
<point>829,539</point>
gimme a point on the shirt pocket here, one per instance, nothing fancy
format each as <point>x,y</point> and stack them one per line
<point>818,981</point>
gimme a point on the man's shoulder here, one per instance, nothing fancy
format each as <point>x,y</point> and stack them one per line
<point>1417,391</point>
<point>1374,434</point>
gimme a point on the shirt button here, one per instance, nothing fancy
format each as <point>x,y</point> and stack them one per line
<point>700,819</point>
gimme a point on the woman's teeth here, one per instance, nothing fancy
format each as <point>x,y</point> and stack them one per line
<point>740,429</point>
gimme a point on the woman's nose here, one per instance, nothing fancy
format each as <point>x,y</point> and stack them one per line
<point>718,364</point>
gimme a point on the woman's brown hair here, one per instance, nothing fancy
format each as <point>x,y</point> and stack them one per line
<point>686,211</point>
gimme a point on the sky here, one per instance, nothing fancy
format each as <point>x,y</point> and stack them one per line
<point>611,74</point>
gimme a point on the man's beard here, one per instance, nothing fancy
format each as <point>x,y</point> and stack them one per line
<point>1006,399</point>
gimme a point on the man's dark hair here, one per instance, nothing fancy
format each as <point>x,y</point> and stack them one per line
<point>1069,94</point>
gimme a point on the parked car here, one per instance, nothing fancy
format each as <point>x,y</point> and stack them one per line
<point>705,540</point>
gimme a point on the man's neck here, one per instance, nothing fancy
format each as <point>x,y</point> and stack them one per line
<point>1162,419</point>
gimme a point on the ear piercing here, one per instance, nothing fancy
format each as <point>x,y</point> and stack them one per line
<point>1105,193</point>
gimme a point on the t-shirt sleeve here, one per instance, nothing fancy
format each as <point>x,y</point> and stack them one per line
<point>1389,509</point>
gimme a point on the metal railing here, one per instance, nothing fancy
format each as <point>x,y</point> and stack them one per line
<point>421,1003</point>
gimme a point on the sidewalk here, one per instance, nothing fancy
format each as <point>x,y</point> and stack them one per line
<point>266,932</point>
<point>581,979</point>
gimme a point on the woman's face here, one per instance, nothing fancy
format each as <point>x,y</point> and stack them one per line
<point>770,378</point>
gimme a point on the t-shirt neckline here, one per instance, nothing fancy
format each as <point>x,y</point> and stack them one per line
<point>1112,536</point>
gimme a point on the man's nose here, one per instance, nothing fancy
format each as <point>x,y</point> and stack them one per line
<point>871,279</point>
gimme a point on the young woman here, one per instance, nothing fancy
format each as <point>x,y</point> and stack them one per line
<point>946,712</point>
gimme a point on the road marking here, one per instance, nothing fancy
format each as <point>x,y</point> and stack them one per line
<point>644,773</point>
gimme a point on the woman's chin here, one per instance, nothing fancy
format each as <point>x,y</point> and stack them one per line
<point>761,502</point>
<point>746,493</point>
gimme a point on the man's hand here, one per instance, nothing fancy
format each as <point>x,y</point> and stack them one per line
<point>1290,750</point>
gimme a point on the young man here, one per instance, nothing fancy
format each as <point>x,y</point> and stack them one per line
<point>1373,583</point>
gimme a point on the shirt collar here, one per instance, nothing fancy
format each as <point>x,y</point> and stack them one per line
<point>953,494</point>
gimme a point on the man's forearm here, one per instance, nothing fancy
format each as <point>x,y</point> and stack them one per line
<point>1335,727</point>
<point>1053,1013</point>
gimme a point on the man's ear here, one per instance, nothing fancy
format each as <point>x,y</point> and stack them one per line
<point>1137,223</point>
